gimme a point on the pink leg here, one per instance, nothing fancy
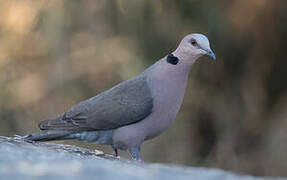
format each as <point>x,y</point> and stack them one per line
<point>115,152</point>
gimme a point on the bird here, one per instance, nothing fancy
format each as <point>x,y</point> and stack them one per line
<point>135,110</point>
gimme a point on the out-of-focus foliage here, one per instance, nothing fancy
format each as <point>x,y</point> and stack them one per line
<point>55,53</point>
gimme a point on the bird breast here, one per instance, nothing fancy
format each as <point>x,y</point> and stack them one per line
<point>168,88</point>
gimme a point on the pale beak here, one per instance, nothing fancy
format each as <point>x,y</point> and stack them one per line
<point>211,54</point>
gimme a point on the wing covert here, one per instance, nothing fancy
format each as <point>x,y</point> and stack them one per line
<point>125,103</point>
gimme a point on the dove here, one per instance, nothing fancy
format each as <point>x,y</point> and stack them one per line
<point>135,110</point>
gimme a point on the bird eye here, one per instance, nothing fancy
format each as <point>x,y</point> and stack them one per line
<point>193,42</point>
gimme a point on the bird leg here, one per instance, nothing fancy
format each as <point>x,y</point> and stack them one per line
<point>115,153</point>
<point>135,153</point>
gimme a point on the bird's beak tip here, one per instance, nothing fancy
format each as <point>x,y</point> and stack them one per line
<point>211,54</point>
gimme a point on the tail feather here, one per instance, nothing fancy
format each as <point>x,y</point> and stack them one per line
<point>48,135</point>
<point>55,124</point>
<point>59,124</point>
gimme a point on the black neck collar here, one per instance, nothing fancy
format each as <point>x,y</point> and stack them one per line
<point>172,59</point>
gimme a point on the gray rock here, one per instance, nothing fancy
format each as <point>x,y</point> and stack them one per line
<point>26,161</point>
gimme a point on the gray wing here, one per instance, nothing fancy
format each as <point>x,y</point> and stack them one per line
<point>126,103</point>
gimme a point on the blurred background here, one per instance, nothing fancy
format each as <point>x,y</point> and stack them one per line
<point>56,53</point>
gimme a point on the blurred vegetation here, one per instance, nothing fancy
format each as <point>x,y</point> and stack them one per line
<point>55,53</point>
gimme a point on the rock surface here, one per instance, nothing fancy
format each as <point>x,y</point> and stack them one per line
<point>25,161</point>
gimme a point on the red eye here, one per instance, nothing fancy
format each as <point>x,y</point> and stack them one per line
<point>193,42</point>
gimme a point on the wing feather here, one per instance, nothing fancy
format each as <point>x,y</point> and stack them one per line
<point>127,103</point>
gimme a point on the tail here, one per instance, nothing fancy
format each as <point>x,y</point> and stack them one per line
<point>55,124</point>
<point>55,129</point>
<point>63,125</point>
<point>48,135</point>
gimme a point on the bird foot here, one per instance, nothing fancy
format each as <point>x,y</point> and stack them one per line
<point>115,153</point>
<point>139,161</point>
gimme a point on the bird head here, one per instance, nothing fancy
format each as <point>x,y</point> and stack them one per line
<point>194,46</point>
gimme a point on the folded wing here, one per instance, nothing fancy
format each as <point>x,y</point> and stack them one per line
<point>128,102</point>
